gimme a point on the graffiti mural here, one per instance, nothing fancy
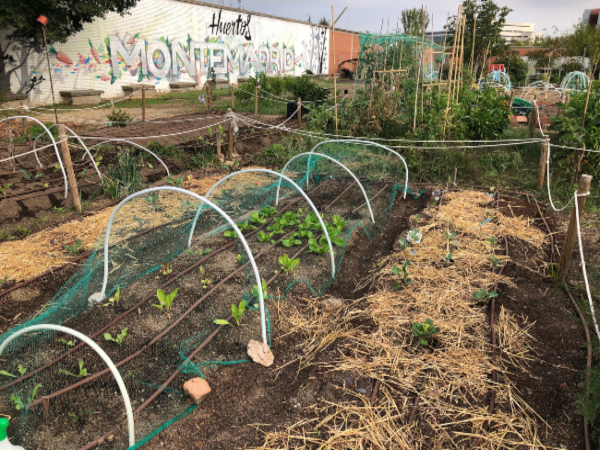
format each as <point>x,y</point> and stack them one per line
<point>175,41</point>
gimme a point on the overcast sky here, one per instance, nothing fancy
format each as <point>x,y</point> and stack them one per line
<point>366,15</point>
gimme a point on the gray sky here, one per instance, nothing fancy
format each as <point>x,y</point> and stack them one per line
<point>363,15</point>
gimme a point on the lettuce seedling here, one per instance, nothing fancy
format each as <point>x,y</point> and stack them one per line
<point>83,372</point>
<point>291,240</point>
<point>114,300</point>
<point>237,311</point>
<point>338,222</point>
<point>415,236</point>
<point>245,226</point>
<point>178,182</point>
<point>287,264</point>
<point>67,343</point>
<point>448,258</point>
<point>257,218</point>
<point>424,330</point>
<point>18,401</point>
<point>231,234</point>
<point>264,237</point>
<point>75,248</point>
<point>267,211</point>
<point>166,300</point>
<point>495,262</point>
<point>264,289</point>
<point>202,252</point>
<point>118,338</point>
<point>166,268</point>
<point>484,296</point>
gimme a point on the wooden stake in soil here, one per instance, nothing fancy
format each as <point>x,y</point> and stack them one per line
<point>299,112</point>
<point>255,97</point>
<point>66,156</point>
<point>232,96</point>
<point>567,250</point>
<point>543,158</point>
<point>10,145</point>
<point>218,138</point>
<point>143,104</point>
<point>230,137</point>
<point>23,120</point>
<point>532,119</point>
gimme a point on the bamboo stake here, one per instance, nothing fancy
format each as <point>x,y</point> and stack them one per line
<point>456,71</point>
<point>143,104</point>
<point>543,158</point>
<point>255,97</point>
<point>335,70</point>
<point>299,112</point>
<point>419,68</point>
<point>474,34</point>
<point>66,156</point>
<point>462,58</point>
<point>450,70</point>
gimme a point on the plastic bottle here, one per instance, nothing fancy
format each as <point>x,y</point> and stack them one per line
<point>4,442</point>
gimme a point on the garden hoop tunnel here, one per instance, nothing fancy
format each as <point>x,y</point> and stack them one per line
<point>53,143</point>
<point>97,297</point>
<point>281,176</point>
<point>309,154</point>
<point>76,136</point>
<point>141,147</point>
<point>358,141</point>
<point>99,351</point>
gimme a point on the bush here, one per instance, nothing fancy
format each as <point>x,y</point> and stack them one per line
<point>305,88</point>
<point>119,118</point>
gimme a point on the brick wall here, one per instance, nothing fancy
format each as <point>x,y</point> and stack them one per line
<point>346,47</point>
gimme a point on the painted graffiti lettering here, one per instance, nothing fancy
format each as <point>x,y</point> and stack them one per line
<point>239,27</point>
<point>160,60</point>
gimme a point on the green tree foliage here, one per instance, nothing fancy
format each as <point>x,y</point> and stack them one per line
<point>65,18</point>
<point>539,58</point>
<point>324,21</point>
<point>413,21</point>
<point>515,66</point>
<point>490,21</point>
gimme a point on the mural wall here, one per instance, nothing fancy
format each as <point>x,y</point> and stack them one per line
<point>163,41</point>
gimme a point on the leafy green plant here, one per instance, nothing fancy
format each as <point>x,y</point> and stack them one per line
<point>124,178</point>
<point>18,401</point>
<point>245,226</point>
<point>22,231</point>
<point>166,269</point>
<point>267,211</point>
<point>257,218</point>
<point>238,258</point>
<point>287,264</point>
<point>83,372</point>
<point>4,189</point>
<point>3,280</point>
<point>264,237</point>
<point>119,118</point>
<point>152,200</point>
<point>114,300</point>
<point>118,338</point>
<point>231,234</point>
<point>39,175</point>
<point>264,289</point>
<point>74,417</point>
<point>484,296</point>
<point>403,274</point>
<point>291,240</point>
<point>237,311</point>
<point>175,182</point>
<point>318,247</point>
<point>495,262</point>
<point>75,248</point>
<point>67,343</point>
<point>448,258</point>
<point>202,252</point>
<point>414,236</point>
<point>27,175</point>
<point>165,300</point>
<point>424,331</point>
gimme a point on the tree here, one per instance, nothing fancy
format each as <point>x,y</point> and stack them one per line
<point>515,66</point>
<point>413,21</point>
<point>324,21</point>
<point>490,21</point>
<point>65,18</point>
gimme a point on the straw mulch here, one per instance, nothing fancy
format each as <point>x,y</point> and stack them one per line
<point>451,376</point>
<point>40,252</point>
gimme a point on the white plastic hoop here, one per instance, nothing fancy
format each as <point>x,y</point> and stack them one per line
<point>100,353</point>
<point>141,147</point>
<point>349,141</point>
<point>335,161</point>
<point>298,188</point>
<point>53,143</point>
<point>99,296</point>
<point>76,136</point>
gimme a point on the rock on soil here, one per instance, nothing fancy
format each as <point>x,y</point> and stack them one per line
<point>196,389</point>
<point>260,353</point>
<point>332,304</point>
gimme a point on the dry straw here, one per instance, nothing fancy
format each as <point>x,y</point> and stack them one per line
<point>451,377</point>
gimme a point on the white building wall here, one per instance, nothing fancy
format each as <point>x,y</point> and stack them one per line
<point>268,44</point>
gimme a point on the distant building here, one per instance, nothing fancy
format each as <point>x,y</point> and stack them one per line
<point>590,16</point>
<point>512,32</point>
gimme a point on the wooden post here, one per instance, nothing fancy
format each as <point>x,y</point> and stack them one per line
<point>335,69</point>
<point>473,45</point>
<point>543,158</point>
<point>24,121</point>
<point>451,68</point>
<point>230,137</point>
<point>299,112</point>
<point>532,119</point>
<point>232,95</point>
<point>45,408</point>
<point>218,138</point>
<point>419,68</point>
<point>208,96</point>
<point>66,157</point>
<point>10,145</point>
<point>143,104</point>
<point>569,243</point>
<point>255,97</point>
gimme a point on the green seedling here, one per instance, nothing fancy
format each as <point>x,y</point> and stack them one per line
<point>403,243</point>
<point>424,330</point>
<point>483,295</point>
<point>7,374</point>
<point>206,283</point>
<point>23,231</point>
<point>58,210</point>
<point>75,248</point>
<point>287,264</point>
<point>492,241</point>
<point>495,261</point>
<point>18,401</point>
<point>4,189</point>
<point>231,234</point>
<point>26,174</point>
<point>338,222</point>
<point>175,182</point>
<point>118,338</point>
<point>84,172</point>
<point>449,235</point>
<point>414,236</point>
<point>3,280</point>
<point>74,417</point>
<point>21,369</point>
<point>152,200</point>
<point>245,226</point>
<point>39,175</point>
<point>318,247</point>
<point>67,343</point>
<point>264,237</point>
<point>257,218</point>
<point>291,240</point>
<point>166,268</point>
<point>403,274</point>
<point>237,311</point>
<point>202,252</point>
<point>139,221</point>
<point>334,236</point>
<point>166,300</point>
<point>448,258</point>
<point>239,258</point>
<point>57,168</point>
<point>267,211</point>
<point>83,372</point>
<point>114,300</point>
<point>264,289</point>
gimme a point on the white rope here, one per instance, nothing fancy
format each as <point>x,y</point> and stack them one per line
<point>30,152</point>
<point>110,103</point>
<point>548,184</point>
<point>153,137</point>
<point>574,148</point>
<point>537,113</point>
<point>583,269</point>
